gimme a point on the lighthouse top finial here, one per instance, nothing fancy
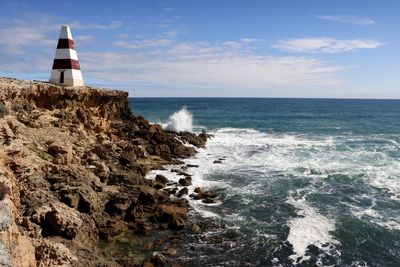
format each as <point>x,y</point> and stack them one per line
<point>65,32</point>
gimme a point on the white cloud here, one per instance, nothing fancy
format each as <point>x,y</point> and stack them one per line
<point>326,45</point>
<point>123,35</point>
<point>350,19</point>
<point>95,26</point>
<point>139,44</point>
<point>84,38</point>
<point>169,9</point>
<point>207,65</point>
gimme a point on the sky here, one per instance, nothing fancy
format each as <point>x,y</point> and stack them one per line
<point>213,48</point>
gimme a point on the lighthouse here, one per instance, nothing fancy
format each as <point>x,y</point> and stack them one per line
<point>66,69</point>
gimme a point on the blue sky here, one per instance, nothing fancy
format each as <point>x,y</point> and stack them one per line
<point>341,48</point>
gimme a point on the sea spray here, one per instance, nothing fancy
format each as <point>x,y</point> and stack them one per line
<point>180,121</point>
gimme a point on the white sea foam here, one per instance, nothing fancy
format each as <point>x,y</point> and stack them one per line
<point>180,121</point>
<point>262,157</point>
<point>310,228</point>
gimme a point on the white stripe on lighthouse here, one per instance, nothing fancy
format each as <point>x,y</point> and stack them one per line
<point>66,53</point>
<point>70,74</point>
<point>65,33</point>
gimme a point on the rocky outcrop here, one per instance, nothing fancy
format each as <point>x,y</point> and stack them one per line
<point>72,167</point>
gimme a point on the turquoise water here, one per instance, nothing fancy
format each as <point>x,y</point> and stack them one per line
<point>306,182</point>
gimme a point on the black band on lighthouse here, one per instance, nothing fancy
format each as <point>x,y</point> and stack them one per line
<point>66,64</point>
<point>65,43</point>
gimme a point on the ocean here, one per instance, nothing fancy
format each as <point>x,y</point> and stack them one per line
<point>306,182</point>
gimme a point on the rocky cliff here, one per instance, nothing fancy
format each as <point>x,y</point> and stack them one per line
<point>72,167</point>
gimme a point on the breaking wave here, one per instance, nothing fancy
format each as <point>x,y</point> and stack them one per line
<point>180,121</point>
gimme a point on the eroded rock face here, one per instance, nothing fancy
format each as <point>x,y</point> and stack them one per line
<point>74,160</point>
<point>54,254</point>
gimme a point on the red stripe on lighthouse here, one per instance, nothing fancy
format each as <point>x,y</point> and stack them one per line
<point>66,64</point>
<point>65,43</point>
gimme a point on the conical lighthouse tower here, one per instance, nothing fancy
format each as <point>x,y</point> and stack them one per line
<point>66,69</point>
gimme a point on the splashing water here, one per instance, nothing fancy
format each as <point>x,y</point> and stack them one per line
<point>180,121</point>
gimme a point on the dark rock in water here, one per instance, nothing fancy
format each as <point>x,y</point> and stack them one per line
<point>209,200</point>
<point>144,227</point>
<point>176,264</point>
<point>169,251</point>
<point>163,226</point>
<point>217,161</point>
<point>192,166</point>
<point>175,239</point>
<point>159,186</point>
<point>177,224</point>
<point>196,228</point>
<point>161,179</point>
<point>166,213</point>
<point>171,191</point>
<point>160,260</point>
<point>184,174</point>
<point>182,192</point>
<point>148,246</point>
<point>185,181</point>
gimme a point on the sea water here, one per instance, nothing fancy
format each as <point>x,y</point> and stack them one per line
<point>306,182</point>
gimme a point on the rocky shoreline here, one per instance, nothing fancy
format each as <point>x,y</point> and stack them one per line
<point>72,179</point>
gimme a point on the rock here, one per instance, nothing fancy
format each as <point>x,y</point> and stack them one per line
<point>177,223</point>
<point>148,246</point>
<point>161,179</point>
<point>201,194</point>
<point>40,216</point>
<point>184,174</point>
<point>4,190</point>
<point>209,200</point>
<point>169,251</point>
<point>182,192</point>
<point>185,181</point>
<point>3,110</point>
<point>7,132</point>
<point>62,152</point>
<point>196,228</point>
<point>192,166</point>
<point>62,220</point>
<point>144,227</point>
<point>167,213</point>
<point>160,259</point>
<point>54,254</point>
<point>176,264</point>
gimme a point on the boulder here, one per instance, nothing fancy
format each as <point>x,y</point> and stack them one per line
<point>161,179</point>
<point>185,181</point>
<point>182,192</point>
<point>54,254</point>
<point>62,152</point>
<point>59,219</point>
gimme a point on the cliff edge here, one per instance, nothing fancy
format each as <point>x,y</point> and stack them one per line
<point>72,167</point>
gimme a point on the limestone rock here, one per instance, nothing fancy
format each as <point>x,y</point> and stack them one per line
<point>63,220</point>
<point>54,254</point>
